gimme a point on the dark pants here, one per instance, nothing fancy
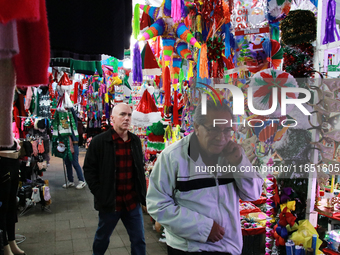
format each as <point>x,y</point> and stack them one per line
<point>172,251</point>
<point>133,222</point>
<point>8,197</point>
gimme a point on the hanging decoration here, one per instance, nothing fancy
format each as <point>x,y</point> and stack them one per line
<point>298,60</point>
<point>250,16</point>
<point>298,27</point>
<point>262,84</point>
<point>155,134</point>
<point>330,23</point>
<point>146,111</point>
<point>137,64</point>
<point>278,10</point>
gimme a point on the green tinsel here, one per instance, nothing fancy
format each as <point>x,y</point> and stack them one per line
<point>156,146</point>
<point>136,24</point>
<point>156,128</point>
<point>298,27</point>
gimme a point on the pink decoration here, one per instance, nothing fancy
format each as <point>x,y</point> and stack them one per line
<point>176,10</point>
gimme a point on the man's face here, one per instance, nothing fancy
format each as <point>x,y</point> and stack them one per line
<point>121,117</point>
<point>211,139</point>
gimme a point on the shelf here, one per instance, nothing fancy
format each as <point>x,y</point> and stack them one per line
<point>330,46</point>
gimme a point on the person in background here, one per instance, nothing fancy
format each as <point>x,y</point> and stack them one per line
<point>197,206</point>
<point>74,162</point>
<point>80,128</point>
<point>114,170</point>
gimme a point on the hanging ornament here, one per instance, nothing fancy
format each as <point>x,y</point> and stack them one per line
<point>262,84</point>
<point>146,111</point>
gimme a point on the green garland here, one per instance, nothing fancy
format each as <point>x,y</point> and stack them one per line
<point>298,27</point>
<point>298,60</point>
<point>156,129</point>
<point>156,146</point>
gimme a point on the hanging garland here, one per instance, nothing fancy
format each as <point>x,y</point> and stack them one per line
<point>298,60</point>
<point>298,27</point>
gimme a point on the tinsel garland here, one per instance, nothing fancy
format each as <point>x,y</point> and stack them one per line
<point>298,27</point>
<point>155,138</point>
<point>156,146</point>
<point>215,49</point>
<point>298,60</point>
<point>137,64</point>
<point>156,129</point>
<point>295,145</point>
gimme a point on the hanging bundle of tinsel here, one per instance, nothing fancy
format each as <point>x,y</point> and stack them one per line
<point>215,49</point>
<point>203,63</point>
<point>298,27</point>
<point>330,23</point>
<point>176,10</point>
<point>298,60</point>
<point>137,65</point>
<point>136,24</point>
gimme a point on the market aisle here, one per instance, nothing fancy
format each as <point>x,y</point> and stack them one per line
<point>70,227</point>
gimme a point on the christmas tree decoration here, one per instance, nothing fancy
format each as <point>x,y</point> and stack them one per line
<point>298,27</point>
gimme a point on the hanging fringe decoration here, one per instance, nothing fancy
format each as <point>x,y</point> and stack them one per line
<point>137,64</point>
<point>175,109</point>
<point>203,64</point>
<point>176,10</point>
<point>167,87</point>
<point>75,94</point>
<point>330,23</point>
<point>136,24</point>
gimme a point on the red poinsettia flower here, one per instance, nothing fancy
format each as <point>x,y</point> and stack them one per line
<point>286,218</point>
<point>270,81</point>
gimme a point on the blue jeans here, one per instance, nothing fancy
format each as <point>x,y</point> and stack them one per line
<point>133,222</point>
<point>75,164</point>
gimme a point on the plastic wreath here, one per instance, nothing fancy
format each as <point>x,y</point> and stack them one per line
<point>262,84</point>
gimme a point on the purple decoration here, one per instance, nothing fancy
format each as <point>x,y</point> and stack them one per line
<point>285,195</point>
<point>137,75</point>
<point>167,8</point>
<point>330,23</point>
<point>184,9</point>
<point>107,111</point>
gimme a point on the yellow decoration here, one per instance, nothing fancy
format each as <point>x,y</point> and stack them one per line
<point>290,206</point>
<point>304,235</point>
<point>116,81</point>
<point>106,98</point>
<point>332,184</point>
<point>291,229</point>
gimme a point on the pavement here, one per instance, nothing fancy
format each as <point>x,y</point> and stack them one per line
<point>69,227</point>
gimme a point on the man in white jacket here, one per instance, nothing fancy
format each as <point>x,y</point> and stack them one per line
<point>196,184</point>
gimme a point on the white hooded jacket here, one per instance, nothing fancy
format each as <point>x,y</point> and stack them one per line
<point>186,200</point>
